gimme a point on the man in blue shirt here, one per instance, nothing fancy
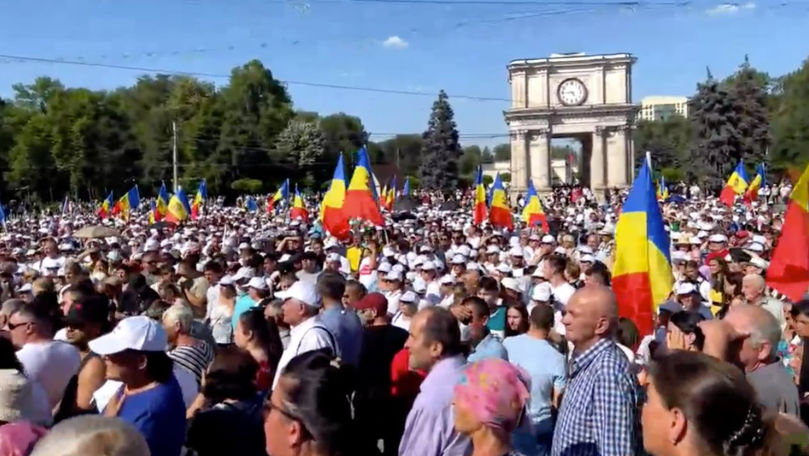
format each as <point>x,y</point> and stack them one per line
<point>484,343</point>
<point>341,322</point>
<point>257,290</point>
<point>546,366</point>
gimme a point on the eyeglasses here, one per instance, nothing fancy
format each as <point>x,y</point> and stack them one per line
<point>269,406</point>
<point>12,326</point>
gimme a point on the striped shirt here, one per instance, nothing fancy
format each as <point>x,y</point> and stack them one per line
<point>194,358</point>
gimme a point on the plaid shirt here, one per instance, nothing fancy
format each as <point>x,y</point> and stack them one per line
<point>599,412</point>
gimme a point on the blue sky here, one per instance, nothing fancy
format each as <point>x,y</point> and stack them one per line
<point>461,48</point>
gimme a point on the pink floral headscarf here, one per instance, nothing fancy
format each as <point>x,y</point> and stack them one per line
<point>495,392</point>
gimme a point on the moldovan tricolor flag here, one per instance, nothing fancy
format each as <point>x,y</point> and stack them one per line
<point>199,198</point>
<point>298,210</point>
<point>789,268</point>
<point>480,198</point>
<point>360,202</point>
<point>106,207</point>
<point>642,278</point>
<point>662,190</point>
<point>178,207</point>
<point>280,195</point>
<point>759,181</point>
<point>130,200</point>
<point>736,185</point>
<point>162,204</point>
<point>390,196</point>
<point>331,208</point>
<point>533,214</point>
<point>499,212</point>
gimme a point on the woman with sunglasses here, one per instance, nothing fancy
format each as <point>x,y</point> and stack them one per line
<point>309,413</point>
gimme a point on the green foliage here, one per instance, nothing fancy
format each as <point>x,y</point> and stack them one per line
<point>790,121</point>
<point>717,145</point>
<point>486,157</point>
<point>299,146</point>
<point>402,150</point>
<point>668,141</point>
<point>247,185</point>
<point>488,180</point>
<point>469,160</point>
<point>502,152</point>
<point>441,151</point>
<point>749,88</point>
<point>505,177</point>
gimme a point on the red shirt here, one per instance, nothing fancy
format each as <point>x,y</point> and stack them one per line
<point>403,381</point>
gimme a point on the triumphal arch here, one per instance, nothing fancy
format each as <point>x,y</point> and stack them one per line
<point>584,97</point>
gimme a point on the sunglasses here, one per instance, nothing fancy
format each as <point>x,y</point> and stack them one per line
<point>12,326</point>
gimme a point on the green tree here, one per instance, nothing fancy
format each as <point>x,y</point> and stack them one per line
<point>749,88</point>
<point>36,96</point>
<point>486,156</point>
<point>256,108</point>
<point>668,141</point>
<point>299,147</point>
<point>344,134</point>
<point>441,151</point>
<point>469,161</point>
<point>790,123</point>
<point>502,152</point>
<point>403,151</point>
<point>717,146</point>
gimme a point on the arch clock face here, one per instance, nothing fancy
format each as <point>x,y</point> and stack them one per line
<point>572,92</point>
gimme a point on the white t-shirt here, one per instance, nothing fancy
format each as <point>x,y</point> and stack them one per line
<point>310,335</point>
<point>563,292</point>
<point>212,299</point>
<point>52,364</point>
<point>393,301</point>
<point>367,276</point>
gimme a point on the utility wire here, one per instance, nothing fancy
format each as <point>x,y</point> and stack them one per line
<point>227,76</point>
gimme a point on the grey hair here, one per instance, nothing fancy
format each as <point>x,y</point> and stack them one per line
<point>11,306</point>
<point>765,327</point>
<point>179,313</point>
<point>92,435</point>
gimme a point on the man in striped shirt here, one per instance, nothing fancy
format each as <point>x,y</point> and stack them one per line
<point>187,352</point>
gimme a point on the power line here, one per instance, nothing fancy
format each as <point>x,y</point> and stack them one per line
<point>227,76</point>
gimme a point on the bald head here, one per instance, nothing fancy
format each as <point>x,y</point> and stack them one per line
<point>591,314</point>
<point>758,322</point>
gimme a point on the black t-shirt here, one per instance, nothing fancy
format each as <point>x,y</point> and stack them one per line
<point>228,429</point>
<point>379,345</point>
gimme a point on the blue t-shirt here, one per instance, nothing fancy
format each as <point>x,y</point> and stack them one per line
<point>243,304</point>
<point>159,414</point>
<point>489,347</point>
<point>544,364</point>
<point>346,327</point>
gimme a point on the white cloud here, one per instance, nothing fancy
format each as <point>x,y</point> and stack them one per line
<point>730,8</point>
<point>395,42</point>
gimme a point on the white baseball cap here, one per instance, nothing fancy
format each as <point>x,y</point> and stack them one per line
<point>383,267</point>
<point>548,239</point>
<point>132,333</point>
<point>458,259</point>
<point>243,273</point>
<point>685,288</point>
<point>447,280</point>
<point>516,251</point>
<point>718,238</point>
<point>408,297</point>
<point>302,291</point>
<point>428,266</point>
<point>759,262</point>
<point>511,283</point>
<point>587,259</point>
<point>394,275</point>
<point>542,292</point>
<point>258,283</point>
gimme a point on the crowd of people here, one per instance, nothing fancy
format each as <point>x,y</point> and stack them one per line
<point>252,334</point>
